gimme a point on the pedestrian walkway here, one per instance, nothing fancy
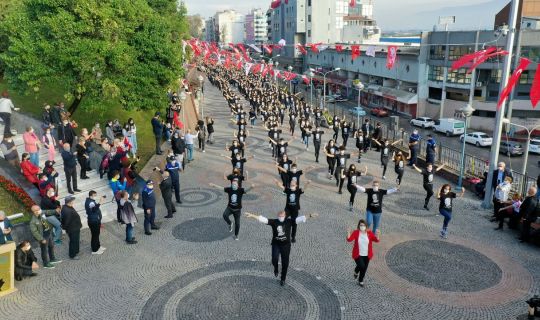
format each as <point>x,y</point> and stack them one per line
<point>193,269</point>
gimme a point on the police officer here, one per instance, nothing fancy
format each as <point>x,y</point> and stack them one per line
<point>149,207</point>
<point>431,149</point>
<point>414,145</point>
<point>165,186</point>
<point>174,168</point>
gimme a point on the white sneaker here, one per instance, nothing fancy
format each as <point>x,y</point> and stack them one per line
<point>384,177</point>
<point>203,151</point>
<point>102,248</point>
<point>98,252</point>
<point>231,227</point>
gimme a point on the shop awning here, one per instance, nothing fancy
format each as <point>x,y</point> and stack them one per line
<point>396,94</point>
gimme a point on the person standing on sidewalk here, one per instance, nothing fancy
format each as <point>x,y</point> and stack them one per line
<point>165,186</point>
<point>42,231</point>
<point>529,212</point>
<point>149,207</point>
<point>281,239</point>
<point>6,106</point>
<point>157,128</point>
<point>174,168</point>
<point>71,222</point>
<point>188,138</point>
<point>49,142</point>
<point>9,150</point>
<point>127,215</point>
<point>201,134</point>
<point>234,205</point>
<point>501,199</point>
<point>427,175</point>
<point>70,168</point>
<point>93,212</point>
<point>210,128</point>
<point>414,146</point>
<point>362,249</point>
<point>5,228</point>
<point>445,206</point>
<point>32,145</point>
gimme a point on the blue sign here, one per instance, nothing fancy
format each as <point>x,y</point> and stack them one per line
<point>295,81</point>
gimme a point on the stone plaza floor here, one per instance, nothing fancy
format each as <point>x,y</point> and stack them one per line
<point>193,269</point>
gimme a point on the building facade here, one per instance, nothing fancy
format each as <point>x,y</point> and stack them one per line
<point>527,8</point>
<point>225,27</point>
<point>255,27</point>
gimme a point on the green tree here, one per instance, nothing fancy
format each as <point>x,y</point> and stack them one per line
<point>95,49</point>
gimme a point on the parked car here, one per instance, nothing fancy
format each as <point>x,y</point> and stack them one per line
<point>449,126</point>
<point>358,112</point>
<point>534,146</point>
<point>511,148</point>
<point>379,112</point>
<point>423,122</point>
<point>480,139</point>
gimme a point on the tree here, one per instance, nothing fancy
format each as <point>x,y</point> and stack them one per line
<point>196,24</point>
<point>95,49</point>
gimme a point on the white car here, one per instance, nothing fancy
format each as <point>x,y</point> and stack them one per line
<point>480,139</point>
<point>423,122</point>
<point>534,146</point>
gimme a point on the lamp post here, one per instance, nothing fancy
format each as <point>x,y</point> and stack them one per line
<point>201,80</point>
<point>183,97</point>
<point>467,112</point>
<point>276,64</point>
<point>360,87</point>
<point>324,84</point>
<point>311,74</point>
<point>290,68</point>
<point>527,146</point>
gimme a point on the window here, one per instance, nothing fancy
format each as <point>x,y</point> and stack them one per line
<point>437,52</point>
<point>527,77</point>
<point>309,18</point>
<point>309,3</point>
<point>309,33</point>
<point>456,52</point>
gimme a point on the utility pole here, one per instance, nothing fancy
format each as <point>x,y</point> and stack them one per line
<point>515,65</point>
<point>494,156</point>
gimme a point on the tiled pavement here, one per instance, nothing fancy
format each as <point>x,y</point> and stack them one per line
<point>193,269</point>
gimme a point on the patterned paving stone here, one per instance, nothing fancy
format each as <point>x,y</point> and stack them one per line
<point>444,266</point>
<point>196,197</point>
<point>201,230</point>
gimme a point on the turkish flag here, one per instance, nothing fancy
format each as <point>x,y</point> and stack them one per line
<point>301,48</point>
<point>305,79</point>
<point>275,4</point>
<point>535,88</point>
<point>315,47</point>
<point>523,63</point>
<point>355,51</point>
<point>470,57</point>
<point>267,48</point>
<point>483,58</point>
<point>391,57</point>
<point>339,48</point>
<point>352,3</point>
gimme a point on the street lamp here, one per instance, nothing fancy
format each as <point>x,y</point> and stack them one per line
<point>311,74</point>
<point>467,112</point>
<point>324,85</point>
<point>201,80</point>
<point>529,132</point>
<point>290,68</point>
<point>360,87</point>
<point>183,97</point>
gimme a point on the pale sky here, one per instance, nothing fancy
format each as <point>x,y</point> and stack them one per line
<point>391,15</point>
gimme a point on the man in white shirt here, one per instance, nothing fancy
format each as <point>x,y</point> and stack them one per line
<point>6,105</point>
<point>502,192</point>
<point>188,138</point>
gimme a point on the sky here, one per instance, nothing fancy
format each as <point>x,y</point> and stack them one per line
<point>391,15</point>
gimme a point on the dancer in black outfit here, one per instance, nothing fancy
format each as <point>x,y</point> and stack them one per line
<point>283,166</point>
<point>330,150</point>
<point>292,202</point>
<point>399,166</point>
<point>359,136</point>
<point>352,179</point>
<point>281,239</point>
<point>385,154</point>
<point>341,165</point>
<point>427,174</point>
<point>317,139</point>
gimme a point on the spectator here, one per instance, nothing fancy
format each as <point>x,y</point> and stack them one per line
<point>45,183</point>
<point>188,138</point>
<point>115,183</point>
<point>499,175</point>
<point>515,215</point>
<point>210,128</point>
<point>56,118</point>
<point>88,137</point>
<point>167,131</point>
<point>414,147</point>
<point>9,150</point>
<point>48,203</point>
<point>131,134</point>
<point>178,146</point>
<point>25,261</point>
<point>431,149</point>
<point>127,215</point>
<point>116,128</point>
<point>31,145</point>
<point>5,228</point>
<point>46,117</point>
<point>201,134</point>
<point>166,192</point>
<point>6,106</point>
<point>109,133</point>
<point>93,212</point>
<point>71,222</point>
<point>500,200</point>
<point>538,188</point>
<point>129,172</point>
<point>83,157</point>
<point>70,168</point>
<point>529,212</point>
<point>51,173</point>
<point>29,170</point>
<point>66,134</point>
<point>42,231</point>
<point>157,128</point>
<point>49,143</point>
<point>97,133</point>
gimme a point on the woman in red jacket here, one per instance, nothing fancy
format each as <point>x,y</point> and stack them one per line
<point>362,251</point>
<point>29,170</point>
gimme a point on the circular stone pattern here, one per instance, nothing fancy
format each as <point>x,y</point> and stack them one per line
<point>443,266</point>
<point>201,230</point>
<point>415,205</point>
<point>196,197</point>
<point>320,176</point>
<point>241,297</point>
<point>250,197</point>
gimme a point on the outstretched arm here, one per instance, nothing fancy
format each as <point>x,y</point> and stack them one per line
<point>360,188</point>
<point>226,157</point>
<point>306,185</point>
<point>396,142</point>
<point>261,219</point>
<point>279,184</point>
<point>377,142</point>
<point>365,171</point>
<point>304,218</point>
<point>393,190</point>
<point>439,168</point>
<point>417,169</point>
<point>290,141</point>
<point>215,186</point>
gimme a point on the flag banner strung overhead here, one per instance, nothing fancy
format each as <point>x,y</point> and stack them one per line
<point>523,63</point>
<point>267,48</point>
<point>370,51</point>
<point>535,88</point>
<point>355,51</point>
<point>391,57</point>
<point>339,48</point>
<point>305,79</point>
<point>483,58</point>
<point>470,57</point>
<point>315,47</point>
<point>301,49</point>
<point>254,47</point>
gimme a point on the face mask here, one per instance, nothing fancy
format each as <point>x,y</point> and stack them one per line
<point>281,219</point>
<point>362,228</point>
<point>375,189</point>
<point>150,187</point>
<point>40,211</point>
<point>234,187</point>
<point>47,132</point>
<point>446,191</point>
<point>97,125</point>
<point>294,170</point>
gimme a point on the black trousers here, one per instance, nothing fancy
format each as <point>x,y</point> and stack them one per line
<point>362,264</point>
<point>283,250</point>
<point>71,177</point>
<point>47,249</point>
<point>335,135</point>
<point>167,198</point>
<point>94,232</point>
<point>352,190</point>
<point>331,164</point>
<point>293,213</point>
<point>158,144</point>
<point>525,230</point>
<point>429,192</point>
<point>317,149</point>
<point>176,187</point>
<point>74,239</point>
<point>84,167</point>
<point>236,213</point>
<point>6,118</point>
<point>338,174</point>
<point>400,173</point>
<point>345,139</point>
<point>367,144</point>
<point>201,143</point>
